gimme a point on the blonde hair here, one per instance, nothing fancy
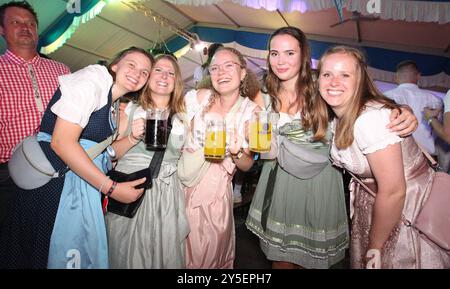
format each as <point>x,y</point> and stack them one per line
<point>176,103</point>
<point>365,92</point>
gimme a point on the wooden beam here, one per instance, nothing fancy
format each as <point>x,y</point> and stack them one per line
<point>282,17</point>
<point>358,30</point>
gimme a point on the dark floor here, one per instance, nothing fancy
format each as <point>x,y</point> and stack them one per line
<point>248,253</point>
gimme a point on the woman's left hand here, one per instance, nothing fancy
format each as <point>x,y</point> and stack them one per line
<point>235,142</point>
<point>137,129</point>
<point>404,123</point>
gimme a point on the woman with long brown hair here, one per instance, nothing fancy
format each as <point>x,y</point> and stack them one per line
<point>61,224</point>
<point>298,210</point>
<point>155,237</point>
<point>394,168</point>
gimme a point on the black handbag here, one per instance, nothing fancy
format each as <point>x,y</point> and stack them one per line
<point>129,210</point>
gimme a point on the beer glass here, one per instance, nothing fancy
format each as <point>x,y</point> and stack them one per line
<point>260,132</point>
<point>156,129</point>
<point>215,139</point>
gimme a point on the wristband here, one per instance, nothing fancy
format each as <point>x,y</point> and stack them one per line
<point>111,190</point>
<point>106,199</point>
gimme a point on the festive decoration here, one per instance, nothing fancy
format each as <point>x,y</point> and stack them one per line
<point>406,10</point>
<point>67,25</point>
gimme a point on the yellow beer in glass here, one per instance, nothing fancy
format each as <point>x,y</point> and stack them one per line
<point>260,132</point>
<point>215,140</point>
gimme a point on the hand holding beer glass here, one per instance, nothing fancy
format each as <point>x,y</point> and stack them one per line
<point>215,140</point>
<point>156,129</point>
<point>260,131</point>
<point>432,110</point>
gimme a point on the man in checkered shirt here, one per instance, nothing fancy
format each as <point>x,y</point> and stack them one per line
<point>27,83</point>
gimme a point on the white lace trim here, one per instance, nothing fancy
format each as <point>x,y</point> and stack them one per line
<point>381,145</point>
<point>410,11</point>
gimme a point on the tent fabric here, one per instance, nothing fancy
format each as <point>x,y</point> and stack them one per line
<point>435,70</point>
<point>63,29</point>
<point>119,26</point>
<point>424,11</point>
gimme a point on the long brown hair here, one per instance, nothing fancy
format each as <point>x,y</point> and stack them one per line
<point>176,102</point>
<point>124,53</point>
<point>314,114</point>
<point>365,92</point>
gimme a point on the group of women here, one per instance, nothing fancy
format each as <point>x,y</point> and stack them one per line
<point>186,218</point>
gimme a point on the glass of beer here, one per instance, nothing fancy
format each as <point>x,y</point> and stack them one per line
<point>260,132</point>
<point>156,129</point>
<point>215,140</point>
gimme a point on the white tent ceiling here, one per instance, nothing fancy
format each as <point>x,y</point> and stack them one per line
<point>118,26</point>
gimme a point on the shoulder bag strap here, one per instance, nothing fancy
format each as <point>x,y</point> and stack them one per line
<point>96,150</point>
<point>362,184</point>
<point>434,164</point>
<point>155,164</point>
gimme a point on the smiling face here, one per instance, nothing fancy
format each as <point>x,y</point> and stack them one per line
<point>19,29</point>
<point>226,72</point>
<point>338,81</point>
<point>285,57</point>
<point>162,78</point>
<point>132,72</point>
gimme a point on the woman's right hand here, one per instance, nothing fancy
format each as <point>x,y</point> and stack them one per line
<point>429,112</point>
<point>126,192</point>
<point>137,129</point>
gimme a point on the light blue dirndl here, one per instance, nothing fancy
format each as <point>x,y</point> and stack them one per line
<point>79,239</point>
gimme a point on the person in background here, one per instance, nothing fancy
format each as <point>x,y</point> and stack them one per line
<point>27,83</point>
<point>407,92</point>
<point>201,71</point>
<point>155,237</point>
<point>208,188</point>
<point>298,210</point>
<point>394,168</point>
<point>61,224</point>
<point>442,130</point>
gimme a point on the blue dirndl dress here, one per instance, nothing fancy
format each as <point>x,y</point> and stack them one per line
<point>37,216</point>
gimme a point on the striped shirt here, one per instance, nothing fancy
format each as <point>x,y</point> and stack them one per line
<point>26,88</point>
